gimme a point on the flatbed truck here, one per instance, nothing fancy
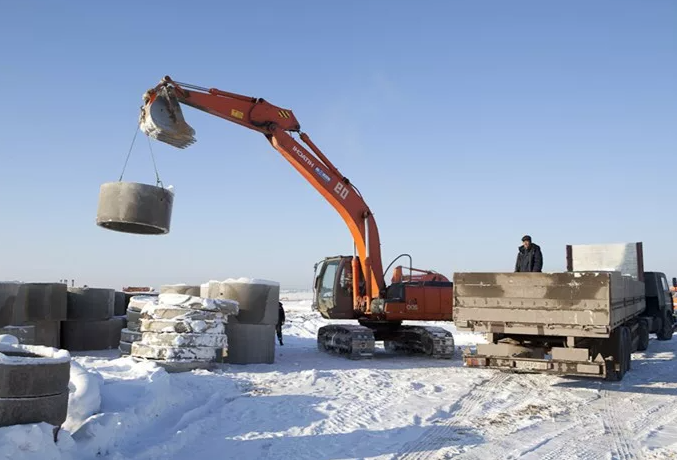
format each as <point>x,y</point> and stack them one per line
<point>586,321</point>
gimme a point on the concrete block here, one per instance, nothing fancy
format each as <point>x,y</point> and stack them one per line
<point>137,302</point>
<point>25,334</point>
<point>47,333</point>
<point>180,289</point>
<point>129,336</point>
<point>91,335</point>
<point>125,348</point>
<point>46,302</point>
<point>173,339</point>
<point>13,298</point>
<point>183,326</point>
<point>120,304</point>
<point>90,303</point>
<point>258,300</point>
<point>250,343</point>
<point>165,353</point>
<point>131,207</point>
<point>21,411</point>
<point>133,316</point>
<point>170,312</point>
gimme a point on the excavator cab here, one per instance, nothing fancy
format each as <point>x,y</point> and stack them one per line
<point>333,289</point>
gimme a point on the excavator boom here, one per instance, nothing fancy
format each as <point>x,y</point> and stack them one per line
<point>162,119</point>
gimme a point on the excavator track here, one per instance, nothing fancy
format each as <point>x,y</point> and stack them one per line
<point>356,342</point>
<point>431,341</point>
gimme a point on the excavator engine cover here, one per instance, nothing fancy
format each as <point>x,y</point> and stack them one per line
<point>162,119</point>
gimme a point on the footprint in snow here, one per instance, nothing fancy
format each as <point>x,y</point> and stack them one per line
<point>417,386</point>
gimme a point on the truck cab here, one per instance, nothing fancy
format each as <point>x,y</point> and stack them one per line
<point>673,290</point>
<point>659,303</point>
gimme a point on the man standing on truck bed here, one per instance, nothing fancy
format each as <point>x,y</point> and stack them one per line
<point>529,256</point>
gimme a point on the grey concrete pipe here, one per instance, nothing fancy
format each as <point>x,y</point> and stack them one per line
<point>130,207</point>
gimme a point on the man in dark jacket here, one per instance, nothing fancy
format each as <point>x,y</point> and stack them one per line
<point>280,322</point>
<point>529,257</point>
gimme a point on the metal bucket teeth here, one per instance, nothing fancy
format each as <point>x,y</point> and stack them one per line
<point>163,120</point>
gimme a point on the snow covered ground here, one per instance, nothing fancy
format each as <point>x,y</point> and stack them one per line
<point>313,406</point>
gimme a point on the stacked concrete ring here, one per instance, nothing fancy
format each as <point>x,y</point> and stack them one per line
<point>33,385</point>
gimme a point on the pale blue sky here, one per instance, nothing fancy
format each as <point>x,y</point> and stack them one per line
<point>464,125</point>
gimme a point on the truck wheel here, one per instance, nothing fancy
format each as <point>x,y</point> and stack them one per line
<point>619,347</point>
<point>643,334</point>
<point>627,341</point>
<point>665,332</point>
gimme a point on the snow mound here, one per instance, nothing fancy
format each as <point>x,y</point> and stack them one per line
<point>145,409</point>
<point>7,339</point>
<point>84,398</point>
<point>251,281</point>
<point>34,442</point>
<point>243,281</point>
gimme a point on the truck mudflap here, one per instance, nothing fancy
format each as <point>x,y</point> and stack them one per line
<point>532,365</point>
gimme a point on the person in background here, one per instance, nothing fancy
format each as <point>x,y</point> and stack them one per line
<point>280,322</point>
<point>529,256</point>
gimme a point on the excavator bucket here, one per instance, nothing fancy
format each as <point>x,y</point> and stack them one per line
<point>162,119</point>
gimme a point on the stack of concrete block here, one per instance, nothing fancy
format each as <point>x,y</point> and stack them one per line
<point>183,332</point>
<point>251,334</point>
<point>132,332</point>
<point>45,308</point>
<point>90,323</point>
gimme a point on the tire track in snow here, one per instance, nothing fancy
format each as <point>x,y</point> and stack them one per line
<point>656,417</point>
<point>527,441</point>
<point>434,438</point>
<point>574,446</point>
<point>621,440</point>
<point>364,397</point>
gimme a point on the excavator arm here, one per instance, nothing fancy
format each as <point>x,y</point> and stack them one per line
<point>162,118</point>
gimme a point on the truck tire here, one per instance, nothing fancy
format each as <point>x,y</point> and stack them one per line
<point>619,348</point>
<point>665,332</point>
<point>627,340</point>
<point>643,335</point>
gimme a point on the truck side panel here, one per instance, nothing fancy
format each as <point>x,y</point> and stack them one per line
<point>569,304</point>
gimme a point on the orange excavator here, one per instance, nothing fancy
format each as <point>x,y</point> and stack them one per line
<point>346,287</point>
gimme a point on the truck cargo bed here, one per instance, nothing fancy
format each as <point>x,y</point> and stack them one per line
<point>570,304</point>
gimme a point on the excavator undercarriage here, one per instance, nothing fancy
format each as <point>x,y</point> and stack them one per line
<point>359,341</point>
